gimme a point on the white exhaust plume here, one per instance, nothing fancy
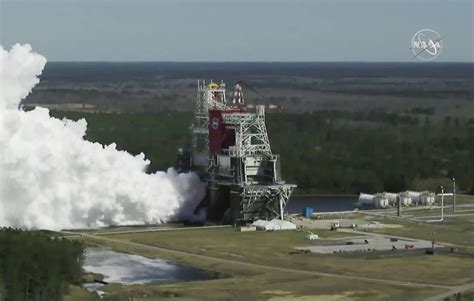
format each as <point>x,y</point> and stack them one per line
<point>51,178</point>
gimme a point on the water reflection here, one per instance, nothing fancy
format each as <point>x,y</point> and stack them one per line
<point>134,269</point>
<point>321,203</point>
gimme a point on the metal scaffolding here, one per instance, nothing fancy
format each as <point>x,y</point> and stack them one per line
<point>244,181</point>
<point>265,201</point>
<point>251,136</point>
<point>209,96</point>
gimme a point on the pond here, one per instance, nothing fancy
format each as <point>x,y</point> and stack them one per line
<point>321,203</point>
<point>134,269</point>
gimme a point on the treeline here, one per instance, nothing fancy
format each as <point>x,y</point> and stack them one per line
<point>373,151</point>
<point>323,151</point>
<point>36,267</point>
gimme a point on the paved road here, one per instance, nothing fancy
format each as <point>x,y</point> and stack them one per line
<point>451,292</point>
<point>369,241</point>
<point>157,229</point>
<point>384,235</point>
<point>72,234</point>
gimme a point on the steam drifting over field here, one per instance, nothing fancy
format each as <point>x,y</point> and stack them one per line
<point>51,178</point>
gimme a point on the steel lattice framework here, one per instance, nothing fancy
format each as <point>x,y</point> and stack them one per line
<point>245,174</point>
<point>251,136</point>
<point>265,201</point>
<point>205,100</point>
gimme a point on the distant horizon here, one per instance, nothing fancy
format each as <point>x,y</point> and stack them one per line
<point>237,31</point>
<point>419,62</point>
<point>227,70</point>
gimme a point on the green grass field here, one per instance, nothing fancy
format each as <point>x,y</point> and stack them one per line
<point>276,287</point>
<point>464,199</point>
<point>465,296</point>
<point>276,249</point>
<point>456,231</point>
<point>78,294</point>
<point>273,249</point>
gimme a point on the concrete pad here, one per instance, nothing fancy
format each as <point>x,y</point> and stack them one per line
<point>374,243</point>
<point>345,223</point>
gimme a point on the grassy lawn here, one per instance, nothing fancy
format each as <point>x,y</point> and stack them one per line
<point>463,199</point>
<point>79,294</point>
<point>458,231</point>
<point>435,213</point>
<point>270,287</point>
<point>274,248</point>
<point>465,296</point>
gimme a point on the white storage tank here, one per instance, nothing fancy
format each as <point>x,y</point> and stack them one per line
<point>392,198</point>
<point>405,198</point>
<point>366,199</point>
<point>427,198</point>
<point>380,201</point>
<point>415,196</point>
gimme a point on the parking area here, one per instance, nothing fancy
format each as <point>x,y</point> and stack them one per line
<point>368,243</point>
<point>325,223</point>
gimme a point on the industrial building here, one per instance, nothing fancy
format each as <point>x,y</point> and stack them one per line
<point>231,151</point>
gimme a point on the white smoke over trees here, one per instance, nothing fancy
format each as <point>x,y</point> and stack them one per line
<point>51,178</point>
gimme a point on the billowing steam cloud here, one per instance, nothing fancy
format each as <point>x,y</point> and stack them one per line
<point>51,178</point>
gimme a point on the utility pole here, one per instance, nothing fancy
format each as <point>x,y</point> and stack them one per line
<point>454,194</point>
<point>442,203</point>
<point>399,206</point>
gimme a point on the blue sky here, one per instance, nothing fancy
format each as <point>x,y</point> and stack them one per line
<point>265,30</point>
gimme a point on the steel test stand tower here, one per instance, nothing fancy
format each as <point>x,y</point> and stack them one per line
<point>231,150</point>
